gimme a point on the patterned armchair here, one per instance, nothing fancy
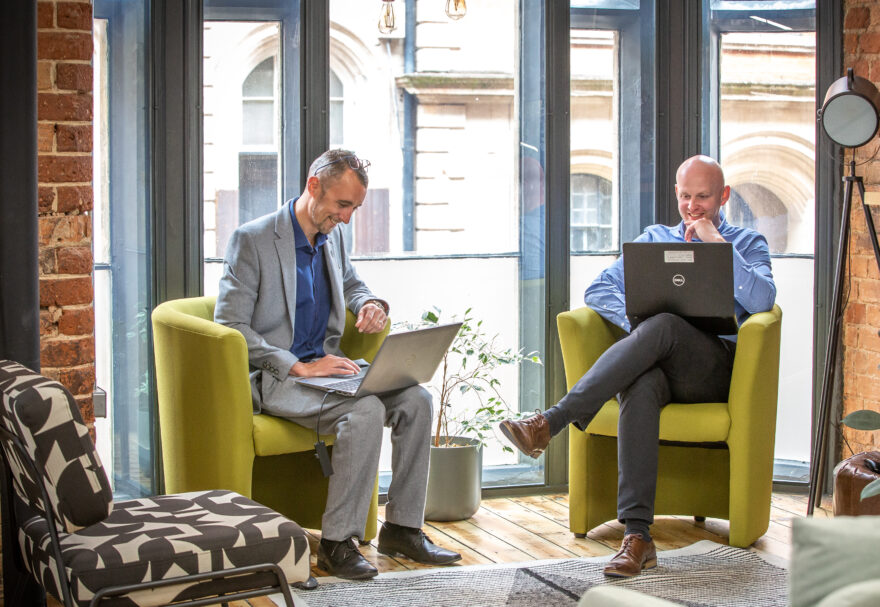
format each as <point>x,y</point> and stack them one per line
<point>84,549</point>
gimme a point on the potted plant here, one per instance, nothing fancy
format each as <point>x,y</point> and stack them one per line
<point>468,367</point>
<point>865,419</point>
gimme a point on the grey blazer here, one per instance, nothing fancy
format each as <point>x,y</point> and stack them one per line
<point>258,292</point>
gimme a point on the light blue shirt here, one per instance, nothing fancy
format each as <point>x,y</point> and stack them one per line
<point>753,286</point>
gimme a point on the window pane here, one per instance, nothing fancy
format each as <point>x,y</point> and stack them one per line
<point>768,122</point>
<point>122,237</point>
<point>444,216</point>
<point>612,93</point>
<point>766,87</point>
<point>241,97</point>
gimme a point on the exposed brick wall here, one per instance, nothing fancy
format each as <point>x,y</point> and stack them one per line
<point>64,114</point>
<point>861,349</point>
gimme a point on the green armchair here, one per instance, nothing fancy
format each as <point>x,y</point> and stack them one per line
<point>210,437</point>
<point>715,460</point>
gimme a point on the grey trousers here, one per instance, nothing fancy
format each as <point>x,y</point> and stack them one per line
<point>357,424</point>
<point>665,359</point>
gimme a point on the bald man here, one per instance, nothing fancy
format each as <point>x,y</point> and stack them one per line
<point>665,359</point>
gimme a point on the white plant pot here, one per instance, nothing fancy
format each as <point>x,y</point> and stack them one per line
<point>455,480</point>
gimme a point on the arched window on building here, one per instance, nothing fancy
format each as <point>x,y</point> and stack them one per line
<point>592,214</point>
<point>754,206</point>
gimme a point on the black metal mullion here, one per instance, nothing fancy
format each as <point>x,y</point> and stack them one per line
<point>177,148</point>
<point>829,197</point>
<point>315,82</point>
<point>557,99</point>
<point>679,57</point>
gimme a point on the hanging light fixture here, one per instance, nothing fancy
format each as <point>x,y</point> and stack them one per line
<point>456,9</point>
<point>386,17</point>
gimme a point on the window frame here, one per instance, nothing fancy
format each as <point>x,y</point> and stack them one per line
<point>675,112</point>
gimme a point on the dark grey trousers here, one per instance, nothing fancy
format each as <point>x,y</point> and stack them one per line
<point>665,359</point>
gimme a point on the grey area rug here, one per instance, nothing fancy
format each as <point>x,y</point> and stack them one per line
<point>703,574</point>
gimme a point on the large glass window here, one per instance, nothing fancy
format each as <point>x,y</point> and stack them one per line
<point>764,95</point>
<point>612,92</point>
<point>438,112</point>
<point>242,131</point>
<point>121,239</point>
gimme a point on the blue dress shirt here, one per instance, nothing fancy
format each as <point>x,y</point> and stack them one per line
<point>312,295</point>
<point>753,285</point>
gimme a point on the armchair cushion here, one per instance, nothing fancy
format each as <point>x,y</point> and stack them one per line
<point>47,420</point>
<point>702,423</point>
<point>277,436</point>
<point>157,538</point>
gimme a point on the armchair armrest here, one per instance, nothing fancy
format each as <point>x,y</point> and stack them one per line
<point>206,424</point>
<point>752,408</point>
<point>361,345</point>
<point>583,337</point>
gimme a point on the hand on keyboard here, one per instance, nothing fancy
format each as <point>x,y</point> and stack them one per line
<point>329,365</point>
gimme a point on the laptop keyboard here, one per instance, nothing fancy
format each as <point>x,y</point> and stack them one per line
<point>350,385</point>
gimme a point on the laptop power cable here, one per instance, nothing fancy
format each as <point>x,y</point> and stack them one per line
<point>320,447</point>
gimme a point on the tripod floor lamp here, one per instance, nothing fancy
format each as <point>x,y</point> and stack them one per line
<point>850,118</point>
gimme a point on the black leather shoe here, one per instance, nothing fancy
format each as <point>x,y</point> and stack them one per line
<point>344,560</point>
<point>414,544</point>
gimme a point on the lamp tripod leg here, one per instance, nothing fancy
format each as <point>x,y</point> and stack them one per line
<point>817,463</point>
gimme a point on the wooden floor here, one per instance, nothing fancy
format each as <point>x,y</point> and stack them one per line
<point>520,529</point>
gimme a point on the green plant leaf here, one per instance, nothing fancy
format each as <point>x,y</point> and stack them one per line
<point>863,419</point>
<point>871,489</point>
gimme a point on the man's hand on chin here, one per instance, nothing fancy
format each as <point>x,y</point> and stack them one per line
<point>704,230</point>
<point>371,318</point>
<point>325,367</point>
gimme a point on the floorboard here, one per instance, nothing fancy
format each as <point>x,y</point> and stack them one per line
<point>506,530</point>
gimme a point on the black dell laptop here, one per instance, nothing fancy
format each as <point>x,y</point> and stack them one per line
<point>691,279</point>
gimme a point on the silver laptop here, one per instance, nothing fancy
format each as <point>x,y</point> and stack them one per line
<point>403,360</point>
<point>691,279</point>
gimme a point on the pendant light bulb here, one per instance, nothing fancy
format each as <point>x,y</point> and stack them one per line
<point>386,17</point>
<point>456,9</point>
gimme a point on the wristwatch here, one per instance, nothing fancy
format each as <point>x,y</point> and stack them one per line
<point>379,303</point>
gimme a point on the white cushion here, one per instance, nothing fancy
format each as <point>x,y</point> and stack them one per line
<point>829,554</point>
<point>862,594</point>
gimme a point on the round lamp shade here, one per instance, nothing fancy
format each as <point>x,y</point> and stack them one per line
<point>849,114</point>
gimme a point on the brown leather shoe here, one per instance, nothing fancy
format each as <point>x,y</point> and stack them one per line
<point>634,555</point>
<point>531,436</point>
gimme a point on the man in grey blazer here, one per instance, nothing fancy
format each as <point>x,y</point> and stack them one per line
<point>286,284</point>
